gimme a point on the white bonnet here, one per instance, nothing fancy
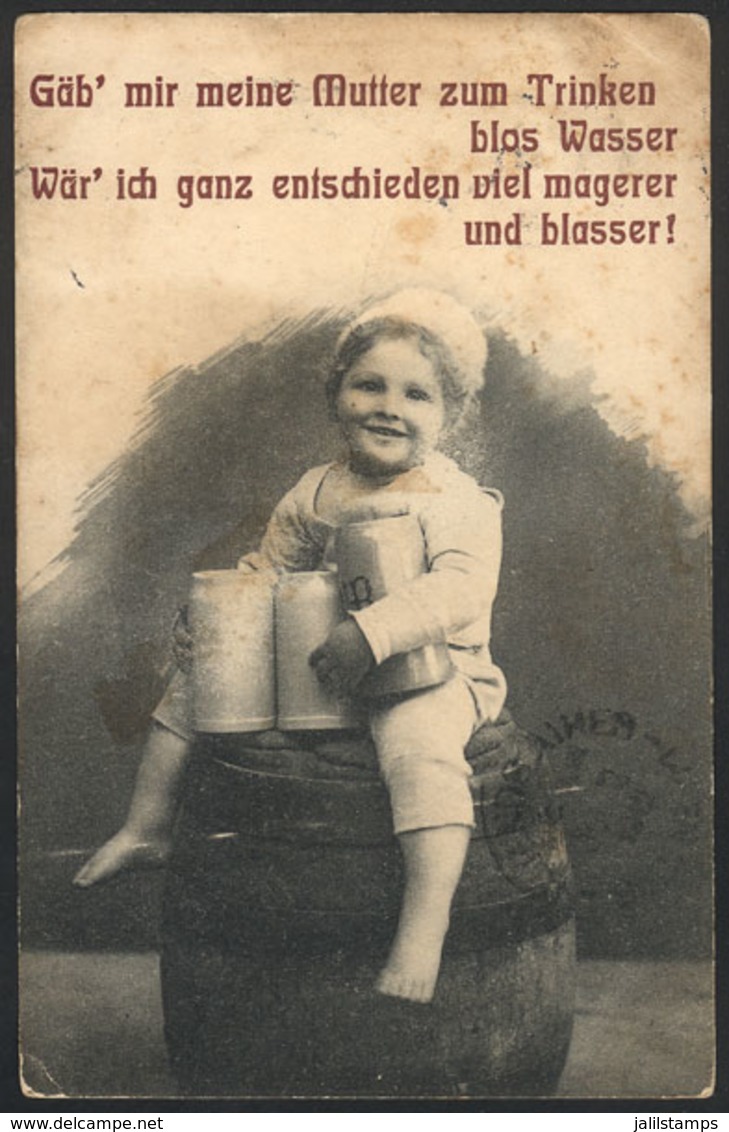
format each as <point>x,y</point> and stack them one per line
<point>442,317</point>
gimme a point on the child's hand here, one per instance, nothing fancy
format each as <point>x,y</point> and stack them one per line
<point>344,658</point>
<point>182,641</point>
<point>123,851</point>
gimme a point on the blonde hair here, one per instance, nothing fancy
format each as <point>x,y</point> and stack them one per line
<point>445,332</point>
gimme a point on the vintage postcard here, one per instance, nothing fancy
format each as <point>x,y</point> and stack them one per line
<point>363,403</point>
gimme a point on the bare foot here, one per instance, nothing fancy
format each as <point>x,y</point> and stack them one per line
<point>123,851</point>
<point>434,860</point>
<point>412,969</point>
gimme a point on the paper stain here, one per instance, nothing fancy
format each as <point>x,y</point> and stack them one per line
<point>416,230</point>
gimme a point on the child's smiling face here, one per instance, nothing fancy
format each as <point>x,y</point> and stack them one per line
<point>390,408</point>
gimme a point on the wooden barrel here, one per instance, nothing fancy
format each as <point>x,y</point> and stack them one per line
<point>281,901</point>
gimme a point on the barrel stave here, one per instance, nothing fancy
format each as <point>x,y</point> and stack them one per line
<point>281,902</point>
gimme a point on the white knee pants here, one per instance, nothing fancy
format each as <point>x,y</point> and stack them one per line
<point>420,741</point>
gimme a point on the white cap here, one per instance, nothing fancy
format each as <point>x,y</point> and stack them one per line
<point>442,317</point>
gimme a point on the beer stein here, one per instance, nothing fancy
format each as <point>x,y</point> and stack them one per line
<point>374,558</point>
<point>307,609</point>
<point>232,679</point>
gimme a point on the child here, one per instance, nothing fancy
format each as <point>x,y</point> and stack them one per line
<point>404,374</point>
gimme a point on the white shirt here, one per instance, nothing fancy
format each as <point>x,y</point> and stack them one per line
<point>452,602</point>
